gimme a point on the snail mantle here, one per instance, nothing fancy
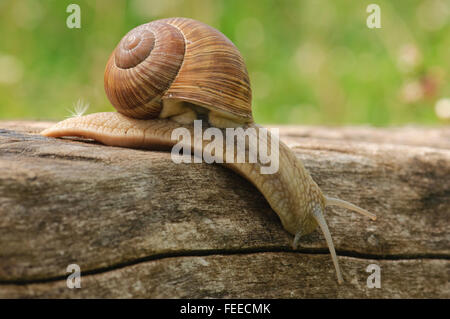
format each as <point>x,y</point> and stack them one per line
<point>139,225</point>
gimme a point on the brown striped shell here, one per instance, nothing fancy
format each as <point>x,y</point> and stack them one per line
<point>180,59</point>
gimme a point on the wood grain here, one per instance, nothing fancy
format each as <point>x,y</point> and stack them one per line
<point>255,275</point>
<point>141,226</point>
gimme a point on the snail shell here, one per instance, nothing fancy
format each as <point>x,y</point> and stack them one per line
<point>166,73</point>
<point>177,59</point>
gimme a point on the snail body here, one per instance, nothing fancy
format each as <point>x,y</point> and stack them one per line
<point>164,75</point>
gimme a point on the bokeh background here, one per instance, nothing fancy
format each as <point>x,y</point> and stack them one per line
<point>310,61</point>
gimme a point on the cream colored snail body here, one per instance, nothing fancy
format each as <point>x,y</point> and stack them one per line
<point>165,74</point>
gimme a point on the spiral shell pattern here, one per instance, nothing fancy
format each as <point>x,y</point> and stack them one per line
<point>180,59</point>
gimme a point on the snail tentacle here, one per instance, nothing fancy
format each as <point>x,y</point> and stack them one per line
<point>297,238</point>
<point>318,215</point>
<point>330,201</point>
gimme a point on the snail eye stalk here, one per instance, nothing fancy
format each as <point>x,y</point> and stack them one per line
<point>318,215</point>
<point>330,201</point>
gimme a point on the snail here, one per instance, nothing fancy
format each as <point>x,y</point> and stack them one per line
<point>168,73</point>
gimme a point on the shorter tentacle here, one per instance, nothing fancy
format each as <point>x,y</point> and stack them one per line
<point>297,237</point>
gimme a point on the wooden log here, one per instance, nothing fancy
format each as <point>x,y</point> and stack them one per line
<point>250,275</point>
<point>139,225</point>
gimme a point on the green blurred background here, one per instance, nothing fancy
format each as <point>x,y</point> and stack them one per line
<point>310,61</point>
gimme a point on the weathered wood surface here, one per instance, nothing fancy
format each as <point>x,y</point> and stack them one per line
<point>141,226</point>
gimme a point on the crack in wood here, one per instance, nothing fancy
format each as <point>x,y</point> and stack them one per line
<point>214,252</point>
